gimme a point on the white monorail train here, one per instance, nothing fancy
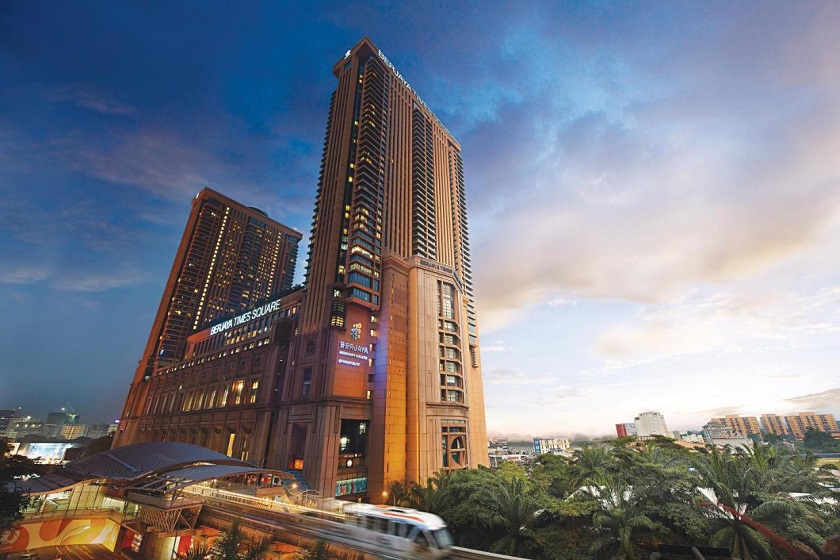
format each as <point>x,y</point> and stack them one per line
<point>403,532</point>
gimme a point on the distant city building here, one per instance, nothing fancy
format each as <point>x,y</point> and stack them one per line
<point>57,420</point>
<point>689,437</point>
<point>746,425</point>
<point>6,417</point>
<point>231,258</point>
<point>774,424</point>
<point>73,431</point>
<point>551,445</point>
<point>94,431</point>
<point>626,429</point>
<point>718,433</point>
<point>651,424</point>
<point>29,426</point>
<point>800,423</point>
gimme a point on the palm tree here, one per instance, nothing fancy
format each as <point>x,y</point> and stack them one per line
<point>750,504</point>
<point>513,513</point>
<point>622,527</point>
<point>432,496</point>
<point>592,462</point>
<point>232,545</point>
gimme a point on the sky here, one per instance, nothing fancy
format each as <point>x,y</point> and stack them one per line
<point>653,188</point>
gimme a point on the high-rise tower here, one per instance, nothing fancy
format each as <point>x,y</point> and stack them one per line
<point>385,383</point>
<point>230,257</point>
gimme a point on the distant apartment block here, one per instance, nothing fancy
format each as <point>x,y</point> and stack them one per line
<point>800,423</point>
<point>651,424</point>
<point>746,425</point>
<point>6,417</point>
<point>551,445</point>
<point>773,424</point>
<point>719,433</point>
<point>689,437</point>
<point>625,429</point>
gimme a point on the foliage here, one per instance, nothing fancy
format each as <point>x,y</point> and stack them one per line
<point>196,552</point>
<point>320,551</point>
<point>621,499</point>
<point>232,545</point>
<point>820,442</point>
<point>12,501</point>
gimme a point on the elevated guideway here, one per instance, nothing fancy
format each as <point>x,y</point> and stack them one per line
<point>303,526</point>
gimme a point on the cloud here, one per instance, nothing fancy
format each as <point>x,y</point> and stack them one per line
<point>23,274</point>
<point>652,184</point>
<point>84,281</point>
<point>497,346</point>
<point>817,401</point>
<point>721,324</point>
<point>516,377</point>
<point>87,97</point>
<point>720,411</point>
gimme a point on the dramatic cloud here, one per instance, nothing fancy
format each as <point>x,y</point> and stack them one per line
<point>818,401</point>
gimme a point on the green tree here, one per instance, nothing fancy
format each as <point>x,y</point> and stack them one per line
<point>591,465</point>
<point>232,545</point>
<point>820,442</point>
<point>319,551</point>
<point>751,504</point>
<point>12,500</point>
<point>513,513</point>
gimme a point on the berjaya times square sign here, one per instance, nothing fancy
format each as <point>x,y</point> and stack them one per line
<point>255,313</point>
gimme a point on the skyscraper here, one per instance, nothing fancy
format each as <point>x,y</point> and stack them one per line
<point>230,257</point>
<point>385,383</point>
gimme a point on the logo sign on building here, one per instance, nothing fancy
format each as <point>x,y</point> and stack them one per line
<point>255,313</point>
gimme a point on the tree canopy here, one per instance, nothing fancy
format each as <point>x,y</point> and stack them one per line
<point>621,500</point>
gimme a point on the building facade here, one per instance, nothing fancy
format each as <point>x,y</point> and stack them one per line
<point>651,424</point>
<point>800,423</point>
<point>386,376</point>
<point>225,393</point>
<point>773,424</point>
<point>231,257</point>
<point>551,445</point>
<point>371,374</point>
<point>745,425</point>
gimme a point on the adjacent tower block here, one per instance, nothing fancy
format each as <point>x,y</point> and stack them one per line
<point>230,258</point>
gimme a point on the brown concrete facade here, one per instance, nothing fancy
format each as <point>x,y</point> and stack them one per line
<point>375,376</point>
<point>230,258</point>
<point>225,394</point>
<point>388,274</point>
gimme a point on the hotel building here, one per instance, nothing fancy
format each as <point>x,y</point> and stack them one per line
<point>230,258</point>
<point>370,375</point>
<point>386,378</point>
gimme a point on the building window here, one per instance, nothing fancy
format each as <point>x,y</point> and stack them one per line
<point>454,445</point>
<point>307,383</point>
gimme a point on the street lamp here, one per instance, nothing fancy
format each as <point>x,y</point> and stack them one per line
<point>65,537</point>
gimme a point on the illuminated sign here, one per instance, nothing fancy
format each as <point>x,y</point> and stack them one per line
<point>255,313</point>
<point>406,84</point>
<point>352,486</point>
<point>349,353</point>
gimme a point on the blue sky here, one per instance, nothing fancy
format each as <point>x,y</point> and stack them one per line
<point>654,188</point>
